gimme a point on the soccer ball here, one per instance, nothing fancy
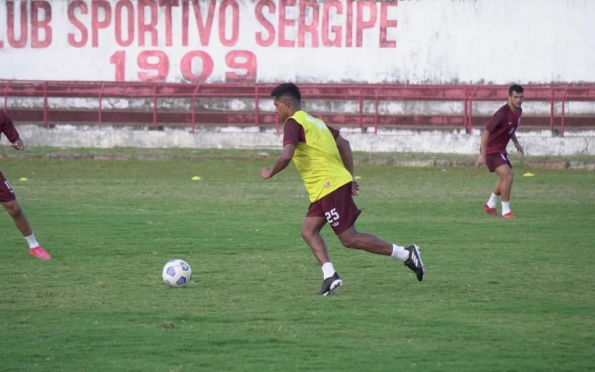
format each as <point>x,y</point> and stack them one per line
<point>176,273</point>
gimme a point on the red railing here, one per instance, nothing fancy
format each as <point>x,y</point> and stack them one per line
<point>361,105</point>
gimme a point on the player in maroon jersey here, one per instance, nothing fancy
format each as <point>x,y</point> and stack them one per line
<point>8,198</point>
<point>494,139</point>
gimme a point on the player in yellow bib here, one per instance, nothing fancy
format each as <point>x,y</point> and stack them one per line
<point>325,163</point>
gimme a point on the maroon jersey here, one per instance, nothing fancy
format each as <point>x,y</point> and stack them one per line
<point>293,132</point>
<point>8,128</point>
<point>501,127</point>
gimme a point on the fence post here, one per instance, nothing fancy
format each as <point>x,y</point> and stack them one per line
<point>256,104</point>
<point>154,104</point>
<point>563,121</point>
<point>194,108</point>
<point>45,103</point>
<point>6,95</point>
<point>470,128</point>
<point>469,113</point>
<point>552,113</point>
<point>465,119</point>
<point>361,107</point>
<point>376,109</point>
<point>100,118</point>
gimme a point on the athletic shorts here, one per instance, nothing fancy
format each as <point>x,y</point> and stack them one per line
<point>6,192</point>
<point>338,208</point>
<point>493,161</point>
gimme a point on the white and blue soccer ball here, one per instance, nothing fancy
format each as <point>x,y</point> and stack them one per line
<point>176,273</point>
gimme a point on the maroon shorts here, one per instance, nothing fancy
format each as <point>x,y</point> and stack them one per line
<point>493,161</point>
<point>6,192</point>
<point>338,208</point>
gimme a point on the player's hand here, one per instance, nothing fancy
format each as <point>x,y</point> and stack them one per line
<point>18,144</point>
<point>354,188</point>
<point>519,149</point>
<point>481,161</point>
<point>265,173</point>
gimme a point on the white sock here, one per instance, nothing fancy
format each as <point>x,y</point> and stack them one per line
<point>493,201</point>
<point>328,270</point>
<point>505,207</point>
<point>400,253</point>
<point>32,241</point>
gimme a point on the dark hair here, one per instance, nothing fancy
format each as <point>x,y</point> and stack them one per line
<point>289,90</point>
<point>515,88</point>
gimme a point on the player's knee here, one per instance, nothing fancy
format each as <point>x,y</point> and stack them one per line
<point>348,241</point>
<point>14,210</point>
<point>507,177</point>
<point>307,234</point>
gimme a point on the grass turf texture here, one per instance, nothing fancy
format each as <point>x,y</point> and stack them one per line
<point>499,295</point>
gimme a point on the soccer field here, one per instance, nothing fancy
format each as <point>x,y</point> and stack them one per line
<point>499,295</point>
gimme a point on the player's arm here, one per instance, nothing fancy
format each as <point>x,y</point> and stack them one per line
<point>517,145</point>
<point>281,162</point>
<point>345,152</point>
<point>485,135</point>
<point>11,133</point>
<point>347,158</point>
<point>493,124</point>
<point>344,149</point>
<point>291,136</point>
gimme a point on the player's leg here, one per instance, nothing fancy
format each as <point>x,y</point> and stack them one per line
<point>311,234</point>
<point>341,213</point>
<point>351,238</point>
<point>313,223</point>
<point>490,206</point>
<point>10,203</point>
<point>497,191</point>
<point>411,257</point>
<point>493,161</point>
<point>19,217</point>
<point>506,178</point>
<point>22,223</point>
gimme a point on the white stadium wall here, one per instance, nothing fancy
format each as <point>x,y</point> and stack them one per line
<point>423,41</point>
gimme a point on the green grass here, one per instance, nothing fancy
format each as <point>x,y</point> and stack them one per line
<point>500,295</point>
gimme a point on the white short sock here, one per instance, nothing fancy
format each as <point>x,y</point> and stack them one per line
<point>32,241</point>
<point>328,270</point>
<point>400,253</point>
<point>505,207</point>
<point>493,200</point>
